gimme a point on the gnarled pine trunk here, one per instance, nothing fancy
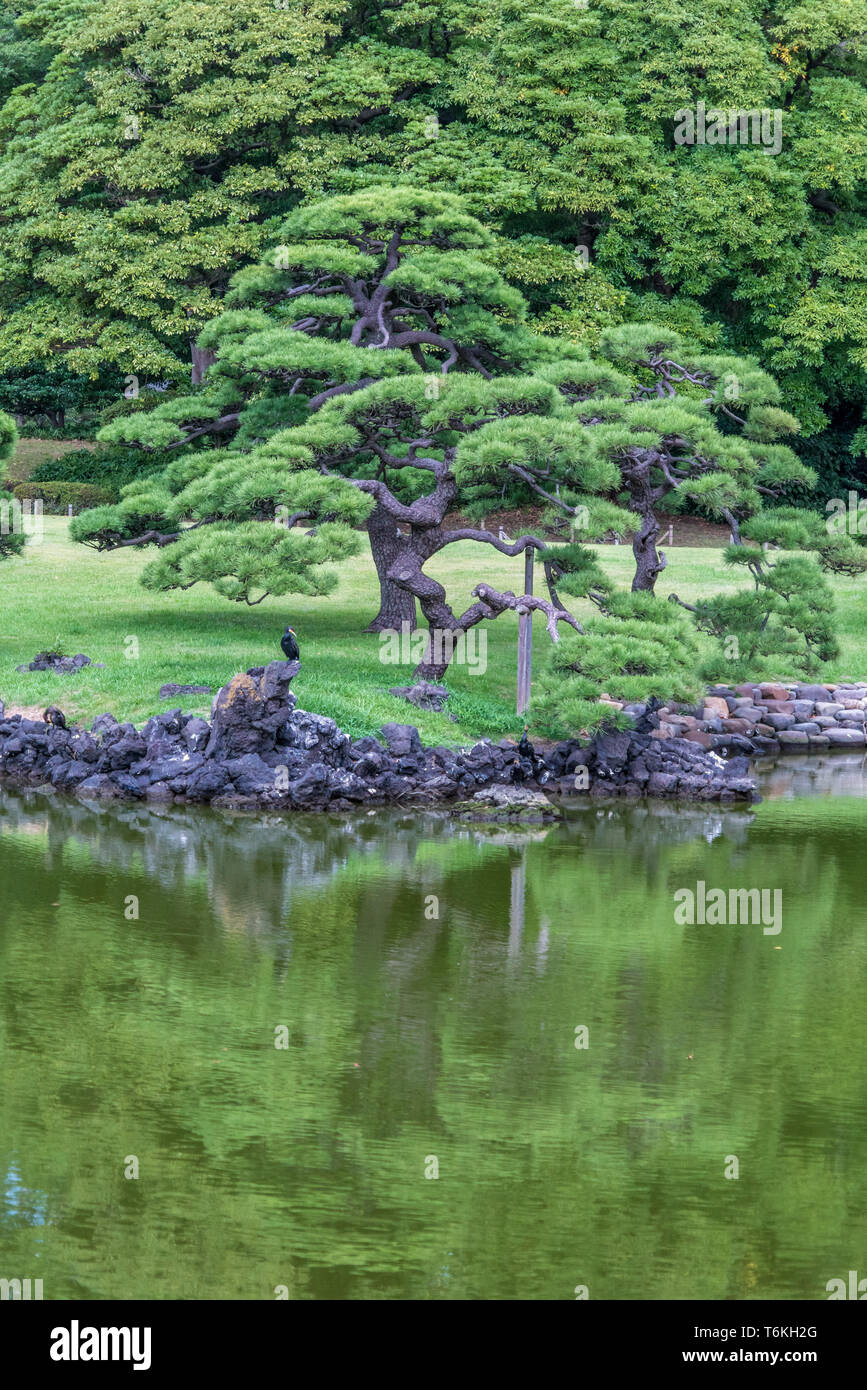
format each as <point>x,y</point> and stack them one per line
<point>396,605</point>
<point>649,561</point>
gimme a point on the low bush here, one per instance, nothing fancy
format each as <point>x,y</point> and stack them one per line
<point>110,469</point>
<point>57,496</point>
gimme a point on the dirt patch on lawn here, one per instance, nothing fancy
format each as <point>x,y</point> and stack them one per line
<point>26,711</point>
<point>684,530</point>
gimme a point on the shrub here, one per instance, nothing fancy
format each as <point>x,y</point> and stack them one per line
<point>110,469</point>
<point>56,497</point>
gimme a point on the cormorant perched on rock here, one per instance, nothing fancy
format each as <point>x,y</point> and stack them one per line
<point>289,643</point>
<point>526,750</point>
<point>55,716</point>
<point>525,747</point>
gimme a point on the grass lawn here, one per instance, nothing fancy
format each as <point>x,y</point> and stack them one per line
<point>60,595</point>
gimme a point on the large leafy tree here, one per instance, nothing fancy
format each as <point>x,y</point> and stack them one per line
<point>756,252</point>
<point>145,167</point>
<point>39,393</point>
<point>142,169</point>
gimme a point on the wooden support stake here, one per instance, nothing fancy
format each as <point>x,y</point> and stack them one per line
<point>525,638</point>
<point>517,904</point>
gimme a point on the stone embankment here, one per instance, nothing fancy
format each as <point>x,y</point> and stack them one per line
<point>757,720</point>
<point>259,751</point>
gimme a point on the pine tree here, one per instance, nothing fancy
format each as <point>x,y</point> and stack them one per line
<point>374,347</point>
<point>787,618</point>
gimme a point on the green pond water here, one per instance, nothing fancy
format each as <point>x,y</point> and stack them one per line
<point>412,1043</point>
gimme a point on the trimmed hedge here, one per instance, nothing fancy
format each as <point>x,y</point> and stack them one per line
<point>108,467</point>
<point>56,497</point>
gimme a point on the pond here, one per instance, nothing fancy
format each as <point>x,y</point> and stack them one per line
<point>404,1057</point>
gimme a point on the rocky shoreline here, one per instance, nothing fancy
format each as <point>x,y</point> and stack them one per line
<point>771,718</point>
<point>260,751</point>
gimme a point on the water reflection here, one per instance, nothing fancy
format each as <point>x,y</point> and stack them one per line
<point>426,977</point>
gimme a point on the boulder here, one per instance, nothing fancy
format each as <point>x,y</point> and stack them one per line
<point>611,751</point>
<point>792,738</point>
<point>779,721</point>
<point>845,738</point>
<point>170,690</point>
<point>771,691</point>
<point>698,736</point>
<point>237,708</point>
<point>423,695</point>
<point>812,692</point>
<point>251,776</point>
<point>209,781</point>
<point>401,739</point>
<point>716,707</point>
<point>515,801</point>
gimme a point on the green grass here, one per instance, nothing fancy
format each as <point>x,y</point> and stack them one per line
<point>64,595</point>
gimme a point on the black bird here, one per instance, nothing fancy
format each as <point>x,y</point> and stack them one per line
<point>289,643</point>
<point>526,750</point>
<point>525,747</point>
<point>55,716</point>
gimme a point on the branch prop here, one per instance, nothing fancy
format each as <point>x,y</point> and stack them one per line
<point>524,604</point>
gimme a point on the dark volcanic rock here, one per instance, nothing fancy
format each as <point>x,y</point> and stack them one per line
<point>260,750</point>
<point>62,665</point>
<point>401,739</point>
<point>423,695</point>
<point>170,690</point>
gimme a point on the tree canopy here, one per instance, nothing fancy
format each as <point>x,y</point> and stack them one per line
<point>155,152</point>
<point>373,349</point>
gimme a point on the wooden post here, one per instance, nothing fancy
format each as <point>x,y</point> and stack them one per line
<point>525,638</point>
<point>517,904</point>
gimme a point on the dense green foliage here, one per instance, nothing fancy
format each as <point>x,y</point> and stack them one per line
<point>12,540</point>
<point>788,614</point>
<point>165,173</point>
<point>638,648</point>
<point>58,496</point>
<point>109,468</point>
<point>376,318</point>
<point>146,161</point>
<point>46,395</point>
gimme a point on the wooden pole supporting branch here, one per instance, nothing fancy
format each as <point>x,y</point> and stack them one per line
<point>525,638</point>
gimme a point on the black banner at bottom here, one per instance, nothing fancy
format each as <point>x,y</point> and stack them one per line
<point>155,1339</point>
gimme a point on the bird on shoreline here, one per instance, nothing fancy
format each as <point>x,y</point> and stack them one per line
<point>55,716</point>
<point>526,750</point>
<point>525,747</point>
<point>289,643</point>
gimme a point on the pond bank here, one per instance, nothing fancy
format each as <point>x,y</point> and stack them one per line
<point>763,720</point>
<point>260,750</point>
